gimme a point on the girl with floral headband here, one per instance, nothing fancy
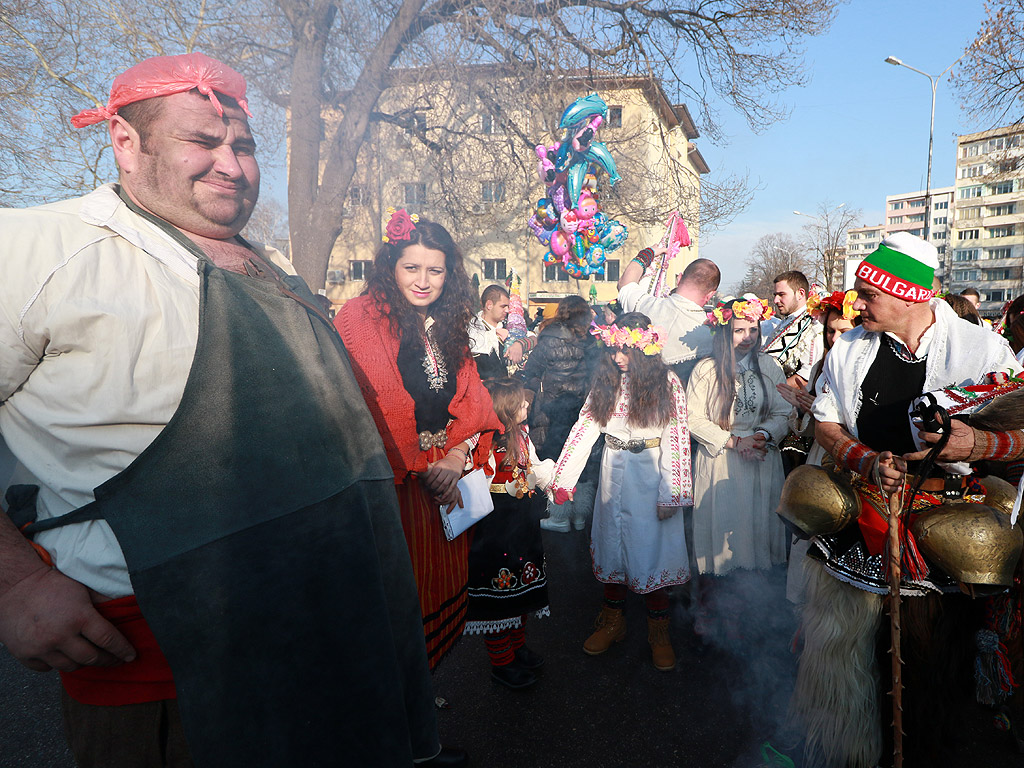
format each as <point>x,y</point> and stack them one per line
<point>836,314</point>
<point>638,541</point>
<point>737,418</point>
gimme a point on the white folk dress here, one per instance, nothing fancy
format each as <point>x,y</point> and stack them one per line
<point>629,544</point>
<point>734,520</point>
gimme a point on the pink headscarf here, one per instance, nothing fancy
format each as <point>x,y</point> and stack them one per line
<point>166,75</point>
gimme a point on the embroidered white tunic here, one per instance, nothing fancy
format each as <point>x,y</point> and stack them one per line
<point>629,544</point>
<point>734,520</point>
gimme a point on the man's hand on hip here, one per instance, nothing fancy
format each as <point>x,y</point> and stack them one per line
<point>48,621</point>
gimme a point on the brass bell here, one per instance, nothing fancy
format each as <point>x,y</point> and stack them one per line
<point>973,543</point>
<point>818,502</point>
<point>999,494</point>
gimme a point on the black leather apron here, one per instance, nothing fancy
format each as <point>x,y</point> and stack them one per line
<point>262,537</point>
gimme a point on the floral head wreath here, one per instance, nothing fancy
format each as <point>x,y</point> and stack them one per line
<point>648,340</point>
<point>837,301</point>
<point>755,310</point>
<point>399,226</point>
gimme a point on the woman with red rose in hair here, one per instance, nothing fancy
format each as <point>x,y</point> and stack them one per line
<point>409,345</point>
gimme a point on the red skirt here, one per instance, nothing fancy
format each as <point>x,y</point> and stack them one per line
<point>441,566</point>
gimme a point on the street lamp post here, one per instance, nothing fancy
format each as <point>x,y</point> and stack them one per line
<point>823,250</point>
<point>934,80</point>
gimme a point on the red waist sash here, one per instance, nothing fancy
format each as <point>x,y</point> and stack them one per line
<point>148,678</point>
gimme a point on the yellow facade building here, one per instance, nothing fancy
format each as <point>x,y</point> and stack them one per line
<point>461,153</point>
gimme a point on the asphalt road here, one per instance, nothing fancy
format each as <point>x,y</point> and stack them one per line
<point>715,710</point>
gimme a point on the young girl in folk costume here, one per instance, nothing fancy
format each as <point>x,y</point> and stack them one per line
<point>638,541</point>
<point>737,417</point>
<point>507,578</point>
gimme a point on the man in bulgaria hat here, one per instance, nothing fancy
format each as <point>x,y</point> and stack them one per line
<point>910,343</point>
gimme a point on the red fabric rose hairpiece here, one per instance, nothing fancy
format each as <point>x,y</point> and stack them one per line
<point>399,226</point>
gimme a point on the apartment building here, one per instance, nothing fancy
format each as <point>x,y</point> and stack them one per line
<point>860,241</point>
<point>987,238</point>
<point>483,185</point>
<point>906,213</point>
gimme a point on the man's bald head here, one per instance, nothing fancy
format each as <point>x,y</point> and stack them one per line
<point>702,275</point>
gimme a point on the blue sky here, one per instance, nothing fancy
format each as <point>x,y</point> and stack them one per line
<point>858,131</point>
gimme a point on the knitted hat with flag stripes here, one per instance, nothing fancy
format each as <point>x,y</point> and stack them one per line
<point>903,266</point>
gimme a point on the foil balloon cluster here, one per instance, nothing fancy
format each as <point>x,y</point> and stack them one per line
<point>568,219</point>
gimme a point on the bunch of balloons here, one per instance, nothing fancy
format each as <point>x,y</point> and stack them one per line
<point>568,218</point>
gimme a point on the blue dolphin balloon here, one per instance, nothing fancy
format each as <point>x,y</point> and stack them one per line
<point>583,108</point>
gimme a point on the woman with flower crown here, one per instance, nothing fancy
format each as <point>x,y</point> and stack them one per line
<point>408,342</point>
<point>737,418</point>
<point>638,542</point>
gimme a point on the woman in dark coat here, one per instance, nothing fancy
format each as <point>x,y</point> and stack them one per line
<point>558,375</point>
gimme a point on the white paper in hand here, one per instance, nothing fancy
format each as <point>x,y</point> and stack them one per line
<point>476,504</point>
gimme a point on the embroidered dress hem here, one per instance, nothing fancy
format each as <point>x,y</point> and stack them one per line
<point>500,625</point>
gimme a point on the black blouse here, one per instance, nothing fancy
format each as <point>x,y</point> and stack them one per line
<point>429,380</point>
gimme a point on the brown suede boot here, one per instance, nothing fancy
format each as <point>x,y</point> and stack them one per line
<point>611,628</point>
<point>661,647</point>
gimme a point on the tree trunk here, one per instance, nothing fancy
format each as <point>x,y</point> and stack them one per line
<point>316,204</point>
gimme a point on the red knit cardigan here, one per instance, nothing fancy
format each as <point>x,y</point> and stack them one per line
<point>373,350</point>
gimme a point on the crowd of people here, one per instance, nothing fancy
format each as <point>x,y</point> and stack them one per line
<point>230,526</point>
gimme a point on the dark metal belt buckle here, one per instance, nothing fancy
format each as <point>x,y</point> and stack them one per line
<point>636,446</point>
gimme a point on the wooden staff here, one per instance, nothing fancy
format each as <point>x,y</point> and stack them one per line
<point>895,509</point>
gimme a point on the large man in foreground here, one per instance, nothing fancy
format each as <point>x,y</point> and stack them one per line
<point>908,344</point>
<point>215,521</point>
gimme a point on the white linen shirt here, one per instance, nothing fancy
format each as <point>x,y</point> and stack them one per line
<point>682,320</point>
<point>483,337</point>
<point>99,318</point>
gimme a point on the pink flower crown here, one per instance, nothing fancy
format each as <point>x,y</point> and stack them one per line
<point>648,340</point>
<point>399,226</point>
<point>754,310</point>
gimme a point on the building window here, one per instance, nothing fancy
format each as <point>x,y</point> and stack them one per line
<point>611,271</point>
<point>854,236</point>
<point>895,220</point>
<point>916,203</point>
<point>996,296</point>
<point>972,171</point>
<point>357,196</point>
<point>614,117</point>
<point>971,150</point>
<point>965,275</point>
<point>1002,188</point>
<point>494,269</point>
<point>967,193</point>
<point>974,212</point>
<point>553,273</point>
<point>967,234</point>
<point>896,206</point>
<point>487,124</point>
<point>415,193</point>
<point>1001,210</point>
<point>997,274</point>
<point>1006,231</point>
<point>997,253</point>
<point>941,206</point>
<point>938,235</point>
<point>971,255</point>
<point>939,220</point>
<point>492,191</point>
<point>915,217</point>
<point>335,276</point>
<point>360,270</point>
